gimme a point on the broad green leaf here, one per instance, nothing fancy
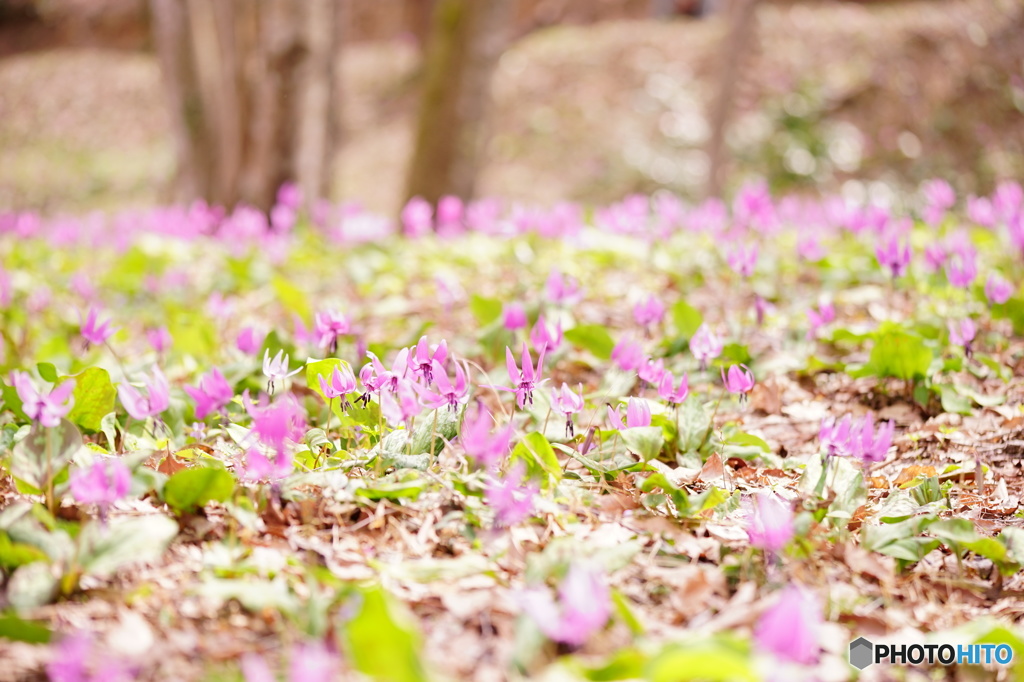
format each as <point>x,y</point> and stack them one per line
<point>960,531</point>
<point>14,554</point>
<point>404,484</point>
<point>47,371</point>
<point>381,642</point>
<point>190,489</point>
<point>686,318</point>
<point>897,353</point>
<point>322,368</point>
<point>645,441</point>
<point>44,454</point>
<point>708,661</point>
<point>485,310</point>
<point>539,457</point>
<point>694,425</point>
<point>592,337</point>
<point>94,398</point>
<point>292,298</point>
<point>17,630</point>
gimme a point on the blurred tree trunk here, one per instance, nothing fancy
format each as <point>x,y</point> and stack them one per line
<point>466,39</point>
<point>737,44</point>
<point>252,86</point>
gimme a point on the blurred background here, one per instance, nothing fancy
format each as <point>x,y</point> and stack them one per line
<point>111,103</point>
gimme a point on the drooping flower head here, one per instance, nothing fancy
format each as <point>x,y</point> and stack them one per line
<point>479,443</point>
<point>543,337</point>
<point>48,410</point>
<point>893,255</point>
<point>513,316</point>
<point>276,369</point>
<point>448,394</point>
<point>328,326</point>
<point>584,606</point>
<point>524,381</point>
<point>769,523</point>
<point>155,400</point>
<point>424,357</point>
<point>649,311</point>
<point>212,394</point>
<point>997,289</point>
<point>638,414</point>
<point>95,332</point>
<point>511,499</point>
<point>562,290</point>
<point>567,402</point>
<point>277,422</point>
<point>651,371</point>
<point>249,340</point>
<point>705,345</point>
<point>628,354</point>
<point>962,333</point>
<point>668,392</point>
<point>159,338</point>
<point>738,380</point>
<point>790,628</point>
<point>104,483</point>
<point>743,260</point>
<point>341,383</point>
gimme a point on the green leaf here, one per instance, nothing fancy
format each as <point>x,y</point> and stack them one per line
<point>14,554</point>
<point>539,457</point>
<point>94,398</point>
<point>645,441</point>
<point>292,298</point>
<point>592,337</point>
<point>959,531</point>
<point>897,353</point>
<point>380,641</point>
<point>190,489</point>
<point>404,484</point>
<point>47,371</point>
<point>709,661</point>
<point>485,310</point>
<point>17,630</point>
<point>694,423</point>
<point>686,318</point>
<point>106,548</point>
<point>12,401</point>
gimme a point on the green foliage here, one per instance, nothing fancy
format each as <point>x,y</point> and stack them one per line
<point>536,453</point>
<point>898,353</point>
<point>686,319</point>
<point>94,398</point>
<point>189,489</point>
<point>592,337</point>
<point>380,642</point>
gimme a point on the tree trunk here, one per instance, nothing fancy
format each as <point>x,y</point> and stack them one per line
<point>467,37</point>
<point>736,45</point>
<point>252,89</point>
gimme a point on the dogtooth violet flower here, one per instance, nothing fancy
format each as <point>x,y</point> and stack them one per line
<point>668,392</point>
<point>328,326</point>
<point>95,332</point>
<point>856,438</point>
<point>705,345</point>
<point>649,311</point>
<point>478,441</point>
<point>650,371</point>
<point>638,413</point>
<point>739,380</point>
<point>341,383</point>
<point>48,410</point>
<point>962,333</point>
<point>400,405</point>
<point>448,393</point>
<point>103,483</point>
<point>543,338</point>
<point>310,662</point>
<point>249,341</point>
<point>276,369</point>
<point>997,289</point>
<point>769,523</point>
<point>273,423</point>
<point>743,260</point>
<point>511,500</point>
<point>212,394</point>
<point>562,290</point>
<point>159,338</point>
<point>628,354</point>
<point>424,356</point>
<point>524,381</point>
<point>893,255</point>
<point>155,401</point>
<point>513,316</point>
<point>583,607</point>
<point>790,628</point>
<point>568,402</point>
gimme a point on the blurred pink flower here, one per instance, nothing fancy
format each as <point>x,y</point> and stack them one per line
<point>738,380</point>
<point>769,523</point>
<point>997,289</point>
<point>105,482</point>
<point>47,410</point>
<point>649,311</point>
<point>95,332</point>
<point>513,316</point>
<point>249,340</point>
<point>705,345</point>
<point>584,606</point>
<point>511,499</point>
<point>478,441</point>
<point>671,394</point>
<point>790,628</point>
<point>212,394</point>
<point>155,401</point>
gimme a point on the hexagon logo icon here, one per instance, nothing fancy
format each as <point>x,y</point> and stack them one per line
<point>862,653</point>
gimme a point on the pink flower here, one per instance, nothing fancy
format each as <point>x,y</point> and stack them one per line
<point>72,658</point>
<point>825,314</point>
<point>769,523</point>
<point>790,628</point>
<point>447,393</point>
<point>562,290</point>
<point>328,326</point>
<point>893,255</point>
<point>478,441</point>
<point>262,467</point>
<point>212,394</point>
<point>426,355</point>
<point>651,371</point>
<point>543,338</point>
<point>376,378</point>
<point>997,289</point>
<point>341,383</point>
<point>250,341</point>
<point>568,402</point>
<point>449,215</point>
<point>743,260</point>
<point>159,338</point>
<point>511,499</point>
<point>671,394</point>
<point>584,606</point>
<point>739,380</point>
<point>705,345</point>
<point>939,197</point>
<point>104,483</point>
<point>523,382</point>
<point>417,217</point>
<point>156,400</point>
<point>981,211</point>
<point>871,446</point>
<point>638,413</point>
<point>849,438</point>
<point>400,405</point>
<point>962,268</point>
<point>48,410</point>
<point>961,333</point>
<point>289,195</point>
<point>934,257</point>
<point>275,423</point>
<point>628,354</point>
<point>95,332</point>
<point>513,316</point>
<point>276,368</point>
<point>648,312</point>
